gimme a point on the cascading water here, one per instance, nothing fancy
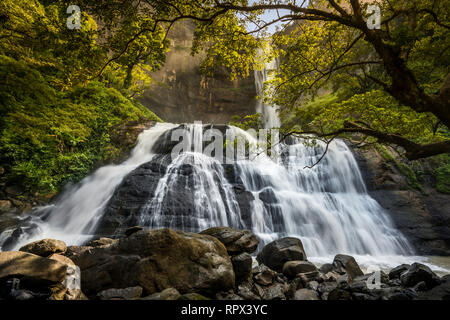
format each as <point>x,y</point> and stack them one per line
<point>268,112</point>
<point>74,217</point>
<point>325,205</point>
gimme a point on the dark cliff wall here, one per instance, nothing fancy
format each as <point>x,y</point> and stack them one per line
<point>422,215</point>
<point>182,94</point>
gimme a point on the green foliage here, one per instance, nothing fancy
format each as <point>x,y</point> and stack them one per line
<point>442,175</point>
<point>49,138</point>
<point>252,121</point>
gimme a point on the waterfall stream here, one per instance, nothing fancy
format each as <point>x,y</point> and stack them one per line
<point>326,205</point>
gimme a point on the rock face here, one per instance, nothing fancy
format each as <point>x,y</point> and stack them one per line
<point>305,294</point>
<point>179,209</point>
<point>156,260</point>
<point>418,273</point>
<point>423,216</point>
<point>292,268</point>
<point>182,94</point>
<point>242,266</point>
<point>45,247</point>
<point>120,294</point>
<point>277,253</point>
<point>31,267</point>
<point>347,264</point>
<point>236,241</point>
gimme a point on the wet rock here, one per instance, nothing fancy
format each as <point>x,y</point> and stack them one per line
<point>325,268</point>
<point>397,271</point>
<point>347,264</point>
<point>305,294</point>
<point>330,276</point>
<point>361,296</point>
<point>339,294</point>
<point>120,294</point>
<point>45,247</point>
<point>31,267</point>
<point>166,294</point>
<point>309,276</point>
<point>100,242</point>
<point>242,266</point>
<point>325,288</point>
<point>156,260</point>
<point>421,286</point>
<point>128,232</point>
<point>246,292</point>
<point>440,292</point>
<point>418,273</point>
<point>292,268</point>
<point>313,285</point>
<point>236,241</point>
<point>265,276</point>
<point>228,296</point>
<point>73,251</point>
<point>277,253</point>
<point>274,292</point>
<point>192,296</point>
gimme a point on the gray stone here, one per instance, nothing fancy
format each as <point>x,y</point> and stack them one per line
<point>45,247</point>
<point>292,268</point>
<point>397,271</point>
<point>418,273</point>
<point>305,294</point>
<point>120,294</point>
<point>242,266</point>
<point>236,241</point>
<point>277,253</point>
<point>166,294</point>
<point>347,264</point>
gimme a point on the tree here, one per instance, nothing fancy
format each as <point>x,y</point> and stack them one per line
<point>327,44</point>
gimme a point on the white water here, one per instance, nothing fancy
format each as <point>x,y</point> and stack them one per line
<point>326,206</point>
<point>269,112</point>
<point>74,217</point>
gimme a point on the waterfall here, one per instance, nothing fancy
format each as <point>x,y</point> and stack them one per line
<point>268,112</point>
<point>74,216</point>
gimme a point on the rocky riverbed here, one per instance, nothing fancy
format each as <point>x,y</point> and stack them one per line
<point>215,264</point>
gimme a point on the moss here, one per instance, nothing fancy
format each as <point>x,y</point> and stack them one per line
<point>49,137</point>
<point>408,171</point>
<point>442,175</point>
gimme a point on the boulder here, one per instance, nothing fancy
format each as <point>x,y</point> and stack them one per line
<point>308,276</point>
<point>45,247</point>
<point>31,267</point>
<point>242,266</point>
<point>193,296</point>
<point>62,259</point>
<point>236,241</point>
<point>339,294</point>
<point>157,260</point>
<point>440,292</point>
<point>100,242</point>
<point>397,271</point>
<point>326,267</point>
<point>347,264</point>
<point>274,292</point>
<point>418,272</point>
<point>131,293</point>
<point>305,294</point>
<point>246,292</point>
<point>5,206</point>
<point>277,253</point>
<point>264,276</point>
<point>166,294</point>
<point>128,232</point>
<point>292,268</point>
